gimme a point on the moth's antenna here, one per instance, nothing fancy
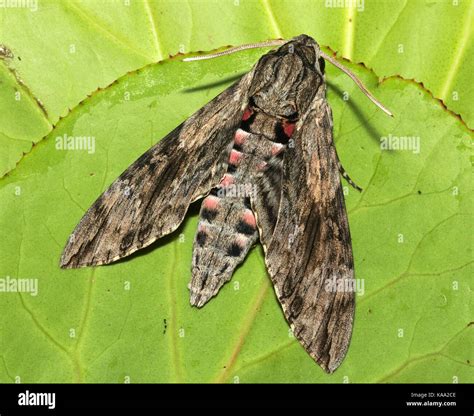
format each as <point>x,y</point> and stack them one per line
<point>279,42</point>
<point>237,49</point>
<point>358,83</point>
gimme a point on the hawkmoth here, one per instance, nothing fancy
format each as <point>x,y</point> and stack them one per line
<point>262,156</point>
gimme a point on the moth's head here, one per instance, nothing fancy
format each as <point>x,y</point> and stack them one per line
<point>307,48</point>
<point>287,79</point>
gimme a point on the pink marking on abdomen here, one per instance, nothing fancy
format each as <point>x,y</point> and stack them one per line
<point>227,180</point>
<point>211,202</point>
<point>288,128</point>
<point>247,114</point>
<point>241,240</point>
<point>235,157</point>
<point>240,136</point>
<point>277,148</point>
<point>249,218</point>
<point>261,166</point>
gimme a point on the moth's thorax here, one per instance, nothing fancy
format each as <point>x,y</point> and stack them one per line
<point>287,79</point>
<point>273,128</point>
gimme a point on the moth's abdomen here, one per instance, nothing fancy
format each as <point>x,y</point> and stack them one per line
<point>225,234</point>
<point>227,225</point>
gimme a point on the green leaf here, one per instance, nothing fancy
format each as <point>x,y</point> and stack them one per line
<point>16,103</point>
<point>64,51</point>
<point>131,321</point>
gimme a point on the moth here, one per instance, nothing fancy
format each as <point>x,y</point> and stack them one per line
<point>262,157</point>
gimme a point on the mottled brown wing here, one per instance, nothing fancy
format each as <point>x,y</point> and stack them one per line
<point>150,199</point>
<point>309,245</point>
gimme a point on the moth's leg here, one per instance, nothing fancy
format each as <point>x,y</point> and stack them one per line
<point>347,177</point>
